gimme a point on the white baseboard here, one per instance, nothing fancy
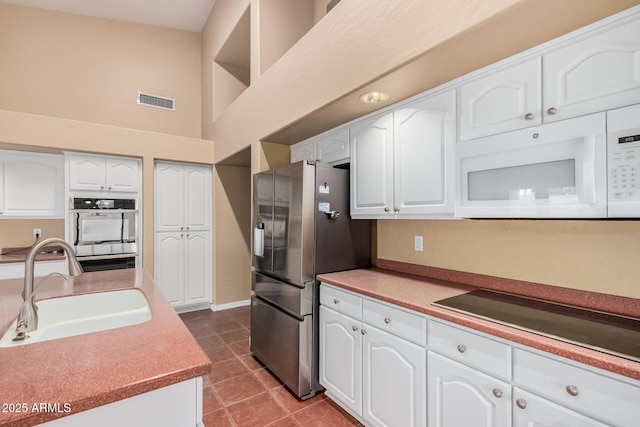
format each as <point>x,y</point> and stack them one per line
<point>230,305</point>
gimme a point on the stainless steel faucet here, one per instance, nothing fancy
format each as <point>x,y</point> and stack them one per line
<point>28,316</point>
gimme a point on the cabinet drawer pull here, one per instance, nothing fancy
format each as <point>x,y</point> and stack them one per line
<point>497,392</point>
<point>336,301</point>
<point>551,111</point>
<point>528,116</point>
<point>386,209</point>
<point>387,320</point>
<point>355,328</point>
<point>572,390</point>
<point>522,404</point>
<point>462,348</point>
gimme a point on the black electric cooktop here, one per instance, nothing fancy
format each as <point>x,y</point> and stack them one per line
<point>608,333</point>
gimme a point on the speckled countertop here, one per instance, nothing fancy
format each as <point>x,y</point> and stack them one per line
<point>417,293</point>
<point>95,369</point>
<point>17,255</point>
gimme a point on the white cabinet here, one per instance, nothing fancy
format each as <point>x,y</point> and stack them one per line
<point>402,161</point>
<point>595,71</point>
<point>183,236</point>
<point>467,377</point>
<point>182,197</point>
<point>175,405</point>
<point>462,396</point>
<point>533,411</point>
<point>341,357</point>
<point>575,390</point>
<point>331,147</point>
<point>376,375</point>
<point>31,185</point>
<point>102,173</point>
<point>503,100</point>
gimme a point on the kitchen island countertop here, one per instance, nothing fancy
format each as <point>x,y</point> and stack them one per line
<point>91,370</point>
<point>418,293</point>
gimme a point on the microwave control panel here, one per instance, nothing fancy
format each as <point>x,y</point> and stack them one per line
<point>623,162</point>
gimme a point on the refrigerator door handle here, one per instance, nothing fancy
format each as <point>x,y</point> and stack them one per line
<point>258,239</point>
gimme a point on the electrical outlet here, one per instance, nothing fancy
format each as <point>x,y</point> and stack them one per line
<point>417,243</point>
<point>37,232</point>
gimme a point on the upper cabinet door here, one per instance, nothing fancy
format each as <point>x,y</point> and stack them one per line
<point>507,99</point>
<point>303,151</point>
<point>87,173</point>
<point>169,206</point>
<point>372,166</point>
<point>424,136</point>
<point>32,185</point>
<point>595,73</point>
<point>122,175</point>
<point>197,181</point>
<point>333,148</point>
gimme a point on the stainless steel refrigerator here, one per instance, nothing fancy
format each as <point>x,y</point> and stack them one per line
<point>301,228</point>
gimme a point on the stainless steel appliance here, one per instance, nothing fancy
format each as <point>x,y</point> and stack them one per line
<point>623,146</point>
<point>301,228</point>
<point>104,234</point>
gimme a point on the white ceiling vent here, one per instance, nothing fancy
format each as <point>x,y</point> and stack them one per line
<point>156,101</point>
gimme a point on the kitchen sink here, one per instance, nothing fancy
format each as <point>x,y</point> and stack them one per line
<point>82,314</point>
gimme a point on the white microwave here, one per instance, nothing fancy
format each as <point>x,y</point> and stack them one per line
<point>555,170</point>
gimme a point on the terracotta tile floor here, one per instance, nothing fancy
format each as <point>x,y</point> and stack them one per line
<point>240,391</point>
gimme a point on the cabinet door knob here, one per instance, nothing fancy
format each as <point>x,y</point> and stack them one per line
<point>102,187</point>
<point>387,320</point>
<point>462,348</point>
<point>386,209</point>
<point>363,332</point>
<point>551,111</point>
<point>497,392</point>
<point>181,235</point>
<point>522,404</point>
<point>528,116</point>
<point>396,210</point>
<point>109,188</point>
<point>355,328</point>
<point>572,390</point>
<point>336,301</point>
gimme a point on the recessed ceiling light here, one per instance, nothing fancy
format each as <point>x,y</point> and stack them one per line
<point>374,97</point>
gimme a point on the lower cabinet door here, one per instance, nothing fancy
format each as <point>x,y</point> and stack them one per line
<point>532,411</point>
<point>462,396</point>
<point>394,380</point>
<point>341,358</point>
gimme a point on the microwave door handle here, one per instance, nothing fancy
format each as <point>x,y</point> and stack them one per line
<point>589,178</point>
<point>258,239</point>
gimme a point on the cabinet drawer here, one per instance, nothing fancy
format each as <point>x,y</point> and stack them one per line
<point>565,383</point>
<point>341,301</point>
<point>470,348</point>
<point>401,323</point>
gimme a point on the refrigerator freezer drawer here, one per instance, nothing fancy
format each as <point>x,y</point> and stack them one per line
<point>296,300</point>
<point>284,344</point>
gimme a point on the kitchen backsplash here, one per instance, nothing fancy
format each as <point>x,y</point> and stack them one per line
<point>597,256</point>
<point>19,232</point>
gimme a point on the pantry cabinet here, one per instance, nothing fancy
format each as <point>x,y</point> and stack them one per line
<point>595,71</point>
<point>378,376</point>
<point>104,174</point>
<point>31,185</point>
<point>402,161</point>
<point>183,235</point>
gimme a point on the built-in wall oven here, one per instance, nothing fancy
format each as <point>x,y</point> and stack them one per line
<point>105,233</point>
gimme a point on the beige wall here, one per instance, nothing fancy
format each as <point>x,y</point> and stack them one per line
<point>232,234</point>
<point>599,256</point>
<point>19,233</point>
<point>90,69</point>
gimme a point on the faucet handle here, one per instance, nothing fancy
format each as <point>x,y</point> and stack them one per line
<point>21,331</point>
